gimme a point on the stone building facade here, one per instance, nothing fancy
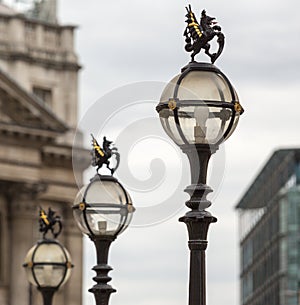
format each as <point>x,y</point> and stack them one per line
<point>38,117</point>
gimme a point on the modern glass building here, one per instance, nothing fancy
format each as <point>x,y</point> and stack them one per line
<point>269,219</point>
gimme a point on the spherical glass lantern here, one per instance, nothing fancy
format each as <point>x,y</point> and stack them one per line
<point>48,264</point>
<point>199,106</point>
<point>103,207</point>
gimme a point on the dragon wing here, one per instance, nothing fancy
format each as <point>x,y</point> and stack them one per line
<point>193,29</point>
<point>99,153</point>
<point>44,217</point>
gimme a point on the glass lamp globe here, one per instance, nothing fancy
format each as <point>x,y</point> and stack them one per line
<point>103,207</point>
<point>199,106</point>
<point>48,264</point>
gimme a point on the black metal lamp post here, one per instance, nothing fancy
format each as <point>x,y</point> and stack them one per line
<point>199,109</point>
<point>103,209</point>
<point>48,264</point>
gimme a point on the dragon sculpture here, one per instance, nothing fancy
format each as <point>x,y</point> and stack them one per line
<point>197,36</point>
<point>50,221</point>
<point>101,156</point>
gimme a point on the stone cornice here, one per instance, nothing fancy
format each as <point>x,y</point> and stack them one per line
<point>19,163</point>
<point>18,190</point>
<point>61,64</point>
<point>64,156</point>
<point>27,132</point>
<point>21,16</point>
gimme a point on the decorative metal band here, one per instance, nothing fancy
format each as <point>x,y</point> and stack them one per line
<point>96,177</point>
<point>198,245</point>
<point>177,122</point>
<point>32,264</point>
<point>67,263</point>
<point>127,203</point>
<point>230,125</point>
<point>32,271</point>
<point>186,103</point>
<point>83,205</point>
<point>87,223</point>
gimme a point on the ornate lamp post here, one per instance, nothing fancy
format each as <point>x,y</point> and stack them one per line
<point>199,109</point>
<point>48,264</point>
<point>103,209</point>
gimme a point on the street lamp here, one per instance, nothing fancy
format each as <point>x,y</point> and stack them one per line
<point>103,209</point>
<point>48,264</point>
<point>199,109</point>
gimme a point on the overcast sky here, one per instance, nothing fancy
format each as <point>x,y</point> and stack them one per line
<point>139,45</point>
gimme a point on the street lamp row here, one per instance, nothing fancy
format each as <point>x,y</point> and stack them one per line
<point>199,109</point>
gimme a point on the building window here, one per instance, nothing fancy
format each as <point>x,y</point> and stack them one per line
<point>51,38</point>
<point>45,95</point>
<point>30,34</point>
<point>247,254</point>
<point>3,29</point>
<point>247,286</point>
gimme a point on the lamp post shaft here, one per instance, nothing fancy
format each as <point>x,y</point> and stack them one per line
<point>197,287</point>
<point>198,161</point>
<point>198,220</point>
<point>197,225</point>
<point>47,294</point>
<point>199,156</point>
<point>102,290</point>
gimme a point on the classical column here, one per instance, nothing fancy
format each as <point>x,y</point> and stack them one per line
<point>21,222</point>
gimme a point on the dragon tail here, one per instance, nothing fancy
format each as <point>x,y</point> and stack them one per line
<point>117,155</point>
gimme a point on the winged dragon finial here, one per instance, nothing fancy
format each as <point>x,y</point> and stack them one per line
<point>101,156</point>
<point>50,221</point>
<point>197,36</point>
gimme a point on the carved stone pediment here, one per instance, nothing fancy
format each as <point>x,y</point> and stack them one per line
<point>19,107</point>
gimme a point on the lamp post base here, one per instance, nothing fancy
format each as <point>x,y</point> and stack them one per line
<point>102,293</point>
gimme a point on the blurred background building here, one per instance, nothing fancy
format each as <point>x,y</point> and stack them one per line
<point>38,117</point>
<point>269,217</point>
